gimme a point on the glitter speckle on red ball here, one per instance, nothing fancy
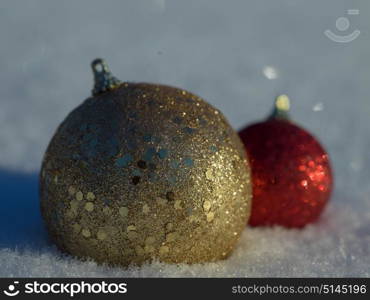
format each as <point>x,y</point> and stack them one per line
<point>291,174</point>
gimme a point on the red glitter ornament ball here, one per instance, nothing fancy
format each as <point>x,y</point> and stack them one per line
<point>291,174</point>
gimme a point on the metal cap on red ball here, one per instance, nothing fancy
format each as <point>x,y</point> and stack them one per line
<point>291,173</point>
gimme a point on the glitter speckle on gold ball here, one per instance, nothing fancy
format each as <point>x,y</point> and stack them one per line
<point>144,171</point>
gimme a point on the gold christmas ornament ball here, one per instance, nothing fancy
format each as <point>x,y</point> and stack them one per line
<point>143,172</point>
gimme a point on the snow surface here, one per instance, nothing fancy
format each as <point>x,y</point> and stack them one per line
<point>236,54</point>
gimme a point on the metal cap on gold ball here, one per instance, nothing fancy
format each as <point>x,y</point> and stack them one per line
<point>142,172</point>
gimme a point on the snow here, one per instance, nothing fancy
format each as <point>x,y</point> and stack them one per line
<point>236,54</point>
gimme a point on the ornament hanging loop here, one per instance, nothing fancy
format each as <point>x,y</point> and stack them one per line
<point>103,78</point>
